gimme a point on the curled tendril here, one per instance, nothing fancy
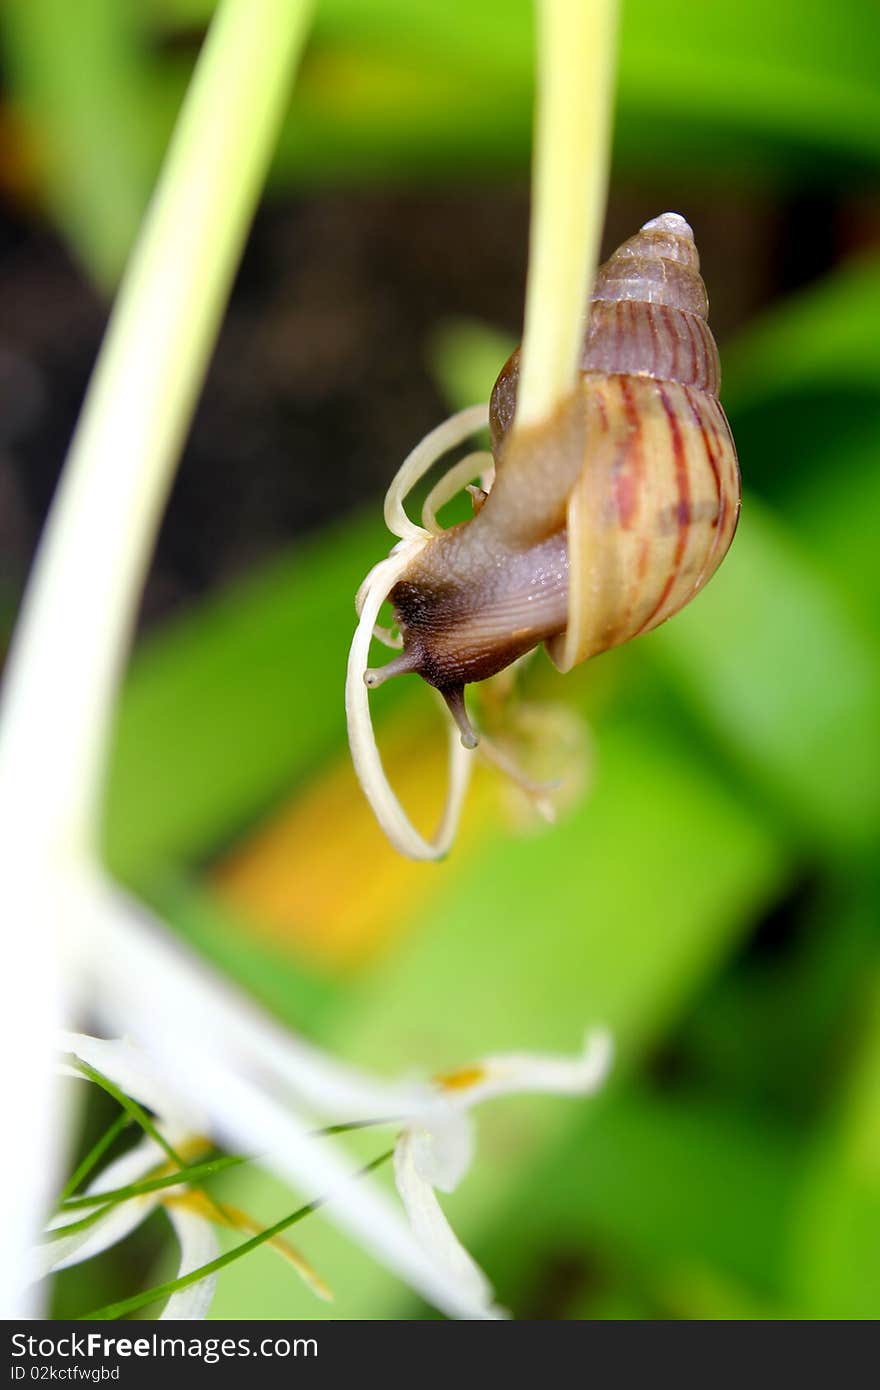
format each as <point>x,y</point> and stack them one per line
<point>439,441</point>
<point>368,603</point>
<point>476,465</point>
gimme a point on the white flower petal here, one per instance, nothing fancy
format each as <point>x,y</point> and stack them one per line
<point>513,1072</point>
<point>433,1231</point>
<point>119,1222</point>
<point>198,1246</point>
<point>443,1147</point>
<point>143,973</point>
<point>246,1119</point>
<point>33,989</point>
<point>133,1070</point>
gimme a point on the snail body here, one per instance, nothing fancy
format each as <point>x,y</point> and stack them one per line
<point>608,518</point>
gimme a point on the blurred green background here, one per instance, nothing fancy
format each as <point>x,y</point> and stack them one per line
<point>713,896</point>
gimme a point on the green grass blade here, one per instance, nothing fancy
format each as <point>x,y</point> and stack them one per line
<point>194,1173</point>
<point>131,1107</point>
<point>95,1155</point>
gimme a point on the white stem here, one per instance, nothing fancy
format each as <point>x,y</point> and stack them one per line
<point>77,617</point>
<point>72,635</point>
<point>576,46</point>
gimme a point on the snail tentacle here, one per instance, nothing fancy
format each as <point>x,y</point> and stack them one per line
<point>453,697</point>
<point>402,665</point>
<point>365,751</point>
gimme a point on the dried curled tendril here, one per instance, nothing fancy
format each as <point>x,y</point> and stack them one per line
<point>361,678</point>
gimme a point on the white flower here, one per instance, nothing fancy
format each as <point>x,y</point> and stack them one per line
<point>263,1089</point>
<point>434,1150</point>
<point>131,1070</point>
<point>261,1086</point>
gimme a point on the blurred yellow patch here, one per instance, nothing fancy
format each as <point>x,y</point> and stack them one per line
<point>320,875</point>
<point>460,1080</point>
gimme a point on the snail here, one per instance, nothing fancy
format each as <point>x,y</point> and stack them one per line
<point>588,530</point>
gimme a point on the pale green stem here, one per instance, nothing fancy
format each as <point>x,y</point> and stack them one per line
<point>76,621</point>
<point>73,632</point>
<point>576,49</point>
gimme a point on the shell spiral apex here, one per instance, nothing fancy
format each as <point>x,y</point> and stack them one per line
<point>649,310</point>
<point>670,222</point>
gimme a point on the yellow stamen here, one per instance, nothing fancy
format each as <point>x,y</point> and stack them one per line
<point>238,1220</point>
<point>461,1080</point>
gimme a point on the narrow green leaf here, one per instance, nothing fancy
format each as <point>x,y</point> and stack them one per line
<point>83,1224</point>
<point>192,1173</point>
<point>95,1154</point>
<point>81,75</point>
<point>131,1107</point>
<point>140,1116</point>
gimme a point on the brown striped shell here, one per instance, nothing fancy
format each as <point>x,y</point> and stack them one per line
<point>655,508</point>
<point>604,520</point>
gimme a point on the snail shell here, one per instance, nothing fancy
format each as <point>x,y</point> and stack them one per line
<point>656,504</point>
<point>606,519</point>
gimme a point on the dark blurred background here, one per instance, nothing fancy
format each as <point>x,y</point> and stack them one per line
<point>320,382</point>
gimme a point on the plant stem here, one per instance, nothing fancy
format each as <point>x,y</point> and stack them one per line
<point>82,599</point>
<point>73,632</point>
<point>576,48</point>
<point>94,1155</point>
<point>109,1197</point>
